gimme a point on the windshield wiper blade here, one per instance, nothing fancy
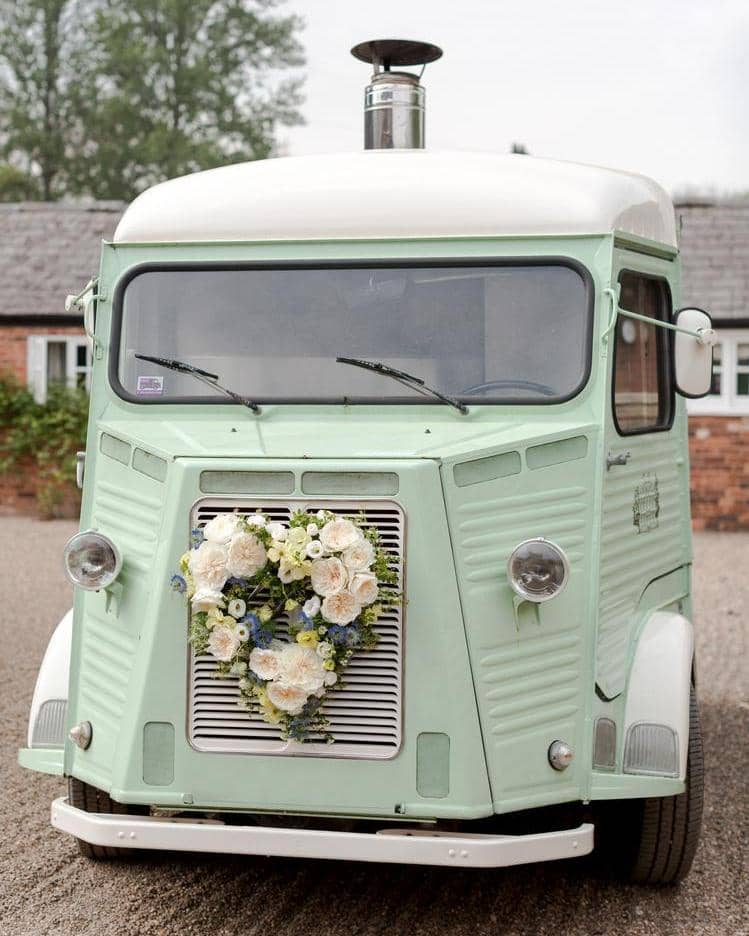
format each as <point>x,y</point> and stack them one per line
<point>203,376</point>
<point>409,379</point>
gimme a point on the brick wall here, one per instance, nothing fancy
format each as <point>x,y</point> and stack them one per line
<point>13,344</point>
<point>719,454</point>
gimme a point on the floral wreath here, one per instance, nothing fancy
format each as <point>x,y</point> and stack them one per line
<point>329,574</point>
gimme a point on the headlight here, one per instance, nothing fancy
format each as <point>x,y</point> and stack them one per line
<point>92,561</point>
<point>538,570</point>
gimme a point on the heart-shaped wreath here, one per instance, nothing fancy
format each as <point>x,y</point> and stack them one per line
<point>323,580</point>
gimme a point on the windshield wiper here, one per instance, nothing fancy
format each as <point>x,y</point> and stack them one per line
<point>203,376</point>
<point>402,377</point>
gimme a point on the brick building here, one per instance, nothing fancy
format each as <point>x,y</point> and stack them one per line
<point>50,250</point>
<point>715,268</point>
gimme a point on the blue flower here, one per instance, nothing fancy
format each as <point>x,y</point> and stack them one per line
<point>196,537</point>
<point>178,584</point>
<point>260,636</point>
<point>240,582</point>
<point>344,636</point>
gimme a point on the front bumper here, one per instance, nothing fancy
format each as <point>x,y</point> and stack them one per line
<point>395,845</point>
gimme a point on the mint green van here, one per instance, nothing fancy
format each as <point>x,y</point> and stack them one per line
<point>434,403</point>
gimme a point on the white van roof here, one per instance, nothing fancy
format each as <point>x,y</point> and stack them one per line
<point>397,194</point>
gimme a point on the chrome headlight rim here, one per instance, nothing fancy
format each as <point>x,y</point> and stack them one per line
<point>524,593</point>
<point>105,541</point>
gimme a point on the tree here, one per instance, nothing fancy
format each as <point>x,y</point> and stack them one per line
<point>182,85</point>
<point>17,185</point>
<point>103,98</point>
<point>40,54</point>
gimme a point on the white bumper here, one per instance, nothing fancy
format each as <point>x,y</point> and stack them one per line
<point>398,845</point>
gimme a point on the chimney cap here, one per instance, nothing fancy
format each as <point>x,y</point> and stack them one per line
<point>388,52</point>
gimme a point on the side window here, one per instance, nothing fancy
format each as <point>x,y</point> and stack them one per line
<point>643,396</point>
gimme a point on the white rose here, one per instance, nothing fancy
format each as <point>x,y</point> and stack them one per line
<point>315,549</point>
<point>221,529</point>
<point>313,529</point>
<point>311,606</point>
<point>264,663</point>
<point>207,566</point>
<point>287,698</point>
<point>363,587</point>
<point>237,608</point>
<point>328,576</point>
<point>340,608</point>
<point>206,599</point>
<point>331,679</point>
<point>300,667</point>
<point>359,556</point>
<point>256,520</point>
<point>324,650</point>
<point>338,535</point>
<point>246,555</point>
<point>223,642</point>
<point>278,531</point>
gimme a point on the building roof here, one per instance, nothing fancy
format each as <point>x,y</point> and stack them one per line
<point>48,250</point>
<point>714,240</point>
<point>397,193</point>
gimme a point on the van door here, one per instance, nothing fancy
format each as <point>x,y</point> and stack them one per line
<point>645,510</point>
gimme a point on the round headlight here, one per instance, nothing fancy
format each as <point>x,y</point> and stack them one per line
<point>92,561</point>
<point>538,570</point>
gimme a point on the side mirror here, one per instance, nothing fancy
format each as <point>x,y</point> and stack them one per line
<point>693,353</point>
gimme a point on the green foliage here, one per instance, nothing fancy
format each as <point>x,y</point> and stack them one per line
<point>17,185</point>
<point>105,98</point>
<point>49,434</point>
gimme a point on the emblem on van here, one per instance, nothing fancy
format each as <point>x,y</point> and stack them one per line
<point>646,505</point>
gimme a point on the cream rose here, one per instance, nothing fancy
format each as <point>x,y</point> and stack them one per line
<point>286,698</point>
<point>363,587</point>
<point>223,642</point>
<point>264,663</point>
<point>278,531</point>
<point>207,566</point>
<point>338,535</point>
<point>359,556</point>
<point>246,555</point>
<point>328,576</point>
<point>206,599</point>
<point>256,520</point>
<point>221,529</point>
<point>340,608</point>
<point>300,667</point>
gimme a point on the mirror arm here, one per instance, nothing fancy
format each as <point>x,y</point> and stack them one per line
<point>613,294</point>
<point>705,336</point>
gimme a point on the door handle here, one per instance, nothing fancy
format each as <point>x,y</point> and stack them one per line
<point>621,459</point>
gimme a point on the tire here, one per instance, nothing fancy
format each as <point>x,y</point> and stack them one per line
<point>655,840</point>
<point>90,799</point>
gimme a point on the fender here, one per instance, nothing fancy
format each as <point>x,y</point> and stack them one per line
<point>47,718</point>
<point>656,714</point>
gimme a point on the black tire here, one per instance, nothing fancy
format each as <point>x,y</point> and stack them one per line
<point>655,840</point>
<point>90,799</point>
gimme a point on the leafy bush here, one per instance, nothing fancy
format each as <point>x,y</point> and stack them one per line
<point>49,434</point>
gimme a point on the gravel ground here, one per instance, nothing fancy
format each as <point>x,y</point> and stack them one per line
<point>46,888</point>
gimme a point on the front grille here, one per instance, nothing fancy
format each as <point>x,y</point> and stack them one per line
<point>364,715</point>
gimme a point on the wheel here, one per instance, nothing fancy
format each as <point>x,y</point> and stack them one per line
<point>90,799</point>
<point>654,840</point>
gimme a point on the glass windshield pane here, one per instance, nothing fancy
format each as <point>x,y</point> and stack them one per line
<point>497,333</point>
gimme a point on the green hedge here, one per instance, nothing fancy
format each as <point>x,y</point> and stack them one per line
<point>49,434</point>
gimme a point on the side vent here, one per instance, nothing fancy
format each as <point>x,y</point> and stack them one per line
<point>114,448</point>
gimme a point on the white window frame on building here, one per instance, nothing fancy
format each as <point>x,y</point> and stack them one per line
<point>728,402</point>
<point>55,358</point>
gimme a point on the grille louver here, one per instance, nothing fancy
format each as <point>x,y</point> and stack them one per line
<point>365,715</point>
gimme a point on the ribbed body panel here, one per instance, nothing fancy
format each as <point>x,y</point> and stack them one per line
<point>364,715</point>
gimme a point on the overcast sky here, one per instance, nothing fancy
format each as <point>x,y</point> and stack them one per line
<point>653,86</point>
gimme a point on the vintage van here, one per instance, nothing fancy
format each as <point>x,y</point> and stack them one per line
<point>469,369</point>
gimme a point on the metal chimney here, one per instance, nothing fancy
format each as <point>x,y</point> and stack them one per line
<point>394,100</point>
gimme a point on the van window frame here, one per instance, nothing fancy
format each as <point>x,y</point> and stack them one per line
<point>362,264</point>
<point>665,347</point>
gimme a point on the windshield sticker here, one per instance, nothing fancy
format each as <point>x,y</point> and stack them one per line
<point>646,506</point>
<point>150,386</point>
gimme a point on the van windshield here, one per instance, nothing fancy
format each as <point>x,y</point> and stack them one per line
<point>490,333</point>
